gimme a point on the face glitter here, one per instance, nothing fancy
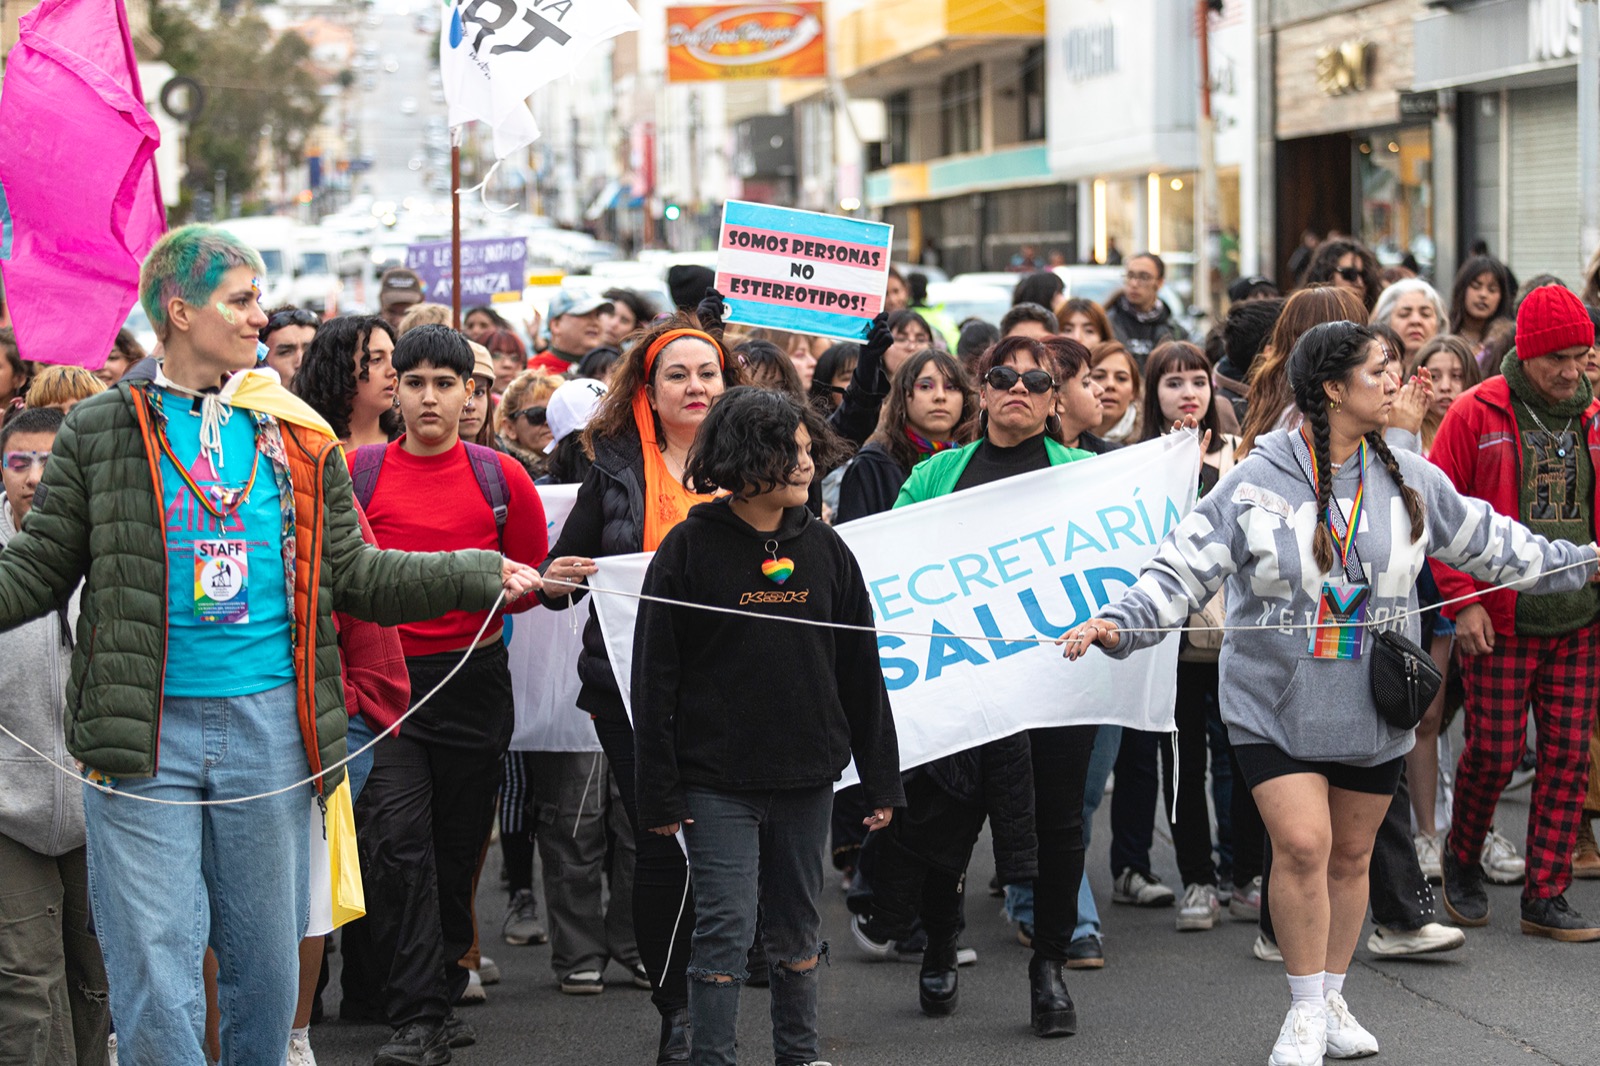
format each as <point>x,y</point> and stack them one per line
<point>227,313</point>
<point>255,287</point>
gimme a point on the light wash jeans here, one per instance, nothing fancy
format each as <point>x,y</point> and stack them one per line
<point>358,736</point>
<point>167,881</point>
<point>1019,898</point>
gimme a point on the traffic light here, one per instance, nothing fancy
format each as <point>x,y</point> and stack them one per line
<point>672,212</point>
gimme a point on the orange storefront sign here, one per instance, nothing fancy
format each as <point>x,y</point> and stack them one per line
<point>746,41</point>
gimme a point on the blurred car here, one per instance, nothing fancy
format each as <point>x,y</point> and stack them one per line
<point>962,300</point>
<point>408,105</point>
<point>932,273</point>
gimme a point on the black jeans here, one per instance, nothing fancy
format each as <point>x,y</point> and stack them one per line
<point>1060,768</point>
<point>662,901</point>
<point>1191,832</point>
<point>425,813</point>
<point>918,864</point>
<point>1133,801</point>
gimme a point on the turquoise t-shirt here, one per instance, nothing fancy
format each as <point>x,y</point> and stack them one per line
<point>227,609</point>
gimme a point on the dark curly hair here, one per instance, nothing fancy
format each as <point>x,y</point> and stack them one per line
<point>746,445</point>
<point>338,358</point>
<point>1325,264</point>
<point>1332,352</point>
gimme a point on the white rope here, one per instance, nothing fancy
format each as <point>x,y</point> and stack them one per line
<point>111,791</point>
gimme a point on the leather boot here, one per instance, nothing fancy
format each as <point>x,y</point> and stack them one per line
<point>674,1047</point>
<point>936,985</point>
<point>1586,857</point>
<point>1051,1006</point>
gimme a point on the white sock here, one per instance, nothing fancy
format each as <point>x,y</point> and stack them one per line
<point>1307,989</point>
<point>1332,982</point>
<point>303,1033</point>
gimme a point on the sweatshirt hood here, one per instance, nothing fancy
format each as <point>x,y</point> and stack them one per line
<point>720,511</point>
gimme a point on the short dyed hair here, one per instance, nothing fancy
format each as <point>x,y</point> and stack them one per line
<point>62,384</point>
<point>189,263</point>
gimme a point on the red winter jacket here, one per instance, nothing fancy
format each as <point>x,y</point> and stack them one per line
<point>377,685</point>
<point>1480,449</point>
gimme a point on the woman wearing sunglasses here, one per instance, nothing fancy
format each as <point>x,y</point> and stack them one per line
<point>1346,263</point>
<point>1020,432</point>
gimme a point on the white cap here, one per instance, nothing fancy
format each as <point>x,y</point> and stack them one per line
<point>570,407</point>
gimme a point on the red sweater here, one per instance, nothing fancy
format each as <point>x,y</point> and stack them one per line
<point>376,684</point>
<point>1479,448</point>
<point>433,503</point>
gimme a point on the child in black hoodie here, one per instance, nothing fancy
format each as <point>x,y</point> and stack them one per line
<point>743,724</point>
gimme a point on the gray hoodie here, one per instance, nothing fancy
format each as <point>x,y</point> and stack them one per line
<point>1251,536</point>
<point>40,807</point>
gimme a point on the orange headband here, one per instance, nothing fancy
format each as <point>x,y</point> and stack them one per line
<point>671,335</point>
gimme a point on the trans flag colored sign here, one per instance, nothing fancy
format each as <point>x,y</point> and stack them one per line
<point>802,271</point>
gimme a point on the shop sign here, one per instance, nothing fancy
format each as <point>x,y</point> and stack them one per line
<point>746,41</point>
<point>1418,106</point>
<point>1343,68</point>
<point>1090,51</point>
<point>1555,29</point>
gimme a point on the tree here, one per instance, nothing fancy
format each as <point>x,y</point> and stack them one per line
<point>251,81</point>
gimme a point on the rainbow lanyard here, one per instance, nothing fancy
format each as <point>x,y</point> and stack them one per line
<point>227,501</point>
<point>1349,535</point>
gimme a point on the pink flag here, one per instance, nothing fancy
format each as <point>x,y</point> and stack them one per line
<point>79,203</point>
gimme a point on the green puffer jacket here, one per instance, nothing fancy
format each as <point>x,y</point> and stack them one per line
<point>98,516</point>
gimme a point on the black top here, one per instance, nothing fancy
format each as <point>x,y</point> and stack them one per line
<point>734,703</point>
<point>992,462</point>
<point>870,485</point>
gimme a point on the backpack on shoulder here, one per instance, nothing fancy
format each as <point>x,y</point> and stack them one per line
<point>366,463</point>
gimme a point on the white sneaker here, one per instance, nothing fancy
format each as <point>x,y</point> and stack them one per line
<point>111,1049</point>
<point>1428,856</point>
<point>1430,939</point>
<point>474,992</point>
<point>1265,950</point>
<point>1200,908</point>
<point>1501,863</point>
<point>300,1051</point>
<point>1345,1037</point>
<point>966,956</point>
<point>488,972</point>
<point>1303,1038</point>
<point>1135,888</point>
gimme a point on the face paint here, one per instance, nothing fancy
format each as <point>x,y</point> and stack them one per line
<point>227,313</point>
<point>255,287</point>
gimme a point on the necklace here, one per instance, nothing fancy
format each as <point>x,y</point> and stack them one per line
<point>1561,440</point>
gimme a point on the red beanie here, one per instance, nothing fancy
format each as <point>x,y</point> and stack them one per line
<point>1552,318</point>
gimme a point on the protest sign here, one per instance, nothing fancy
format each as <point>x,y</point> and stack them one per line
<point>543,649</point>
<point>958,583</point>
<point>802,271</point>
<point>489,266</point>
<point>716,43</point>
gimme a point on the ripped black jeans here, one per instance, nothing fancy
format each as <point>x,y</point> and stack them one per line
<point>750,849</point>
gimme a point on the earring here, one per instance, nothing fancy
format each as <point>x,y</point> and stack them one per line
<point>1334,405</point>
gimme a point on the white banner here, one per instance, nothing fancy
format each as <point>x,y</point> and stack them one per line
<point>544,650</point>
<point>957,583</point>
<point>493,55</point>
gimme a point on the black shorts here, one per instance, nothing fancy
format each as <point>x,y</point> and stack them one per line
<point>1263,762</point>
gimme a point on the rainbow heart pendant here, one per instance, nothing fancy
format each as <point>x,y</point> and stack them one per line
<point>778,570</point>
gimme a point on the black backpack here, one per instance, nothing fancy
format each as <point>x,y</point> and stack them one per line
<point>366,463</point>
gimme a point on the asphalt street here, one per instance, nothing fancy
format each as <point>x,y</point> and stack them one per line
<point>1164,997</point>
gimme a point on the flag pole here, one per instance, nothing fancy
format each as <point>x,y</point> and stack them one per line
<point>455,230</point>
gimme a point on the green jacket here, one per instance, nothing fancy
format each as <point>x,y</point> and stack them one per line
<point>937,475</point>
<point>98,517</point>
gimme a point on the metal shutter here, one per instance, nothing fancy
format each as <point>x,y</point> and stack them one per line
<point>1544,183</point>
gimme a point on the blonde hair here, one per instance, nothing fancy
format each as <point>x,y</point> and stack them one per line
<point>62,384</point>
<point>424,314</point>
<point>527,389</point>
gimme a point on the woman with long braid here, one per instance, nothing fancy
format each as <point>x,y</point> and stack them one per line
<point>1320,533</point>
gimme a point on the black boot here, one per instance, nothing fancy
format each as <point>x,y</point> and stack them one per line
<point>1050,1004</point>
<point>1464,897</point>
<point>674,1047</point>
<point>936,986</point>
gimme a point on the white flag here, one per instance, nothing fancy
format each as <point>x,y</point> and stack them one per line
<point>494,54</point>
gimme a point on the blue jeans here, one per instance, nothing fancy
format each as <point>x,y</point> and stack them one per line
<point>1019,898</point>
<point>360,734</point>
<point>750,849</point>
<point>167,881</point>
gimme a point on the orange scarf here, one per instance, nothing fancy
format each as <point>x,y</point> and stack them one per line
<point>666,500</point>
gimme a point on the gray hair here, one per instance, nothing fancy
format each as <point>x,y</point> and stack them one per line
<point>1404,287</point>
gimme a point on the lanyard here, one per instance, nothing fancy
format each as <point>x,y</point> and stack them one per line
<point>227,501</point>
<point>1342,541</point>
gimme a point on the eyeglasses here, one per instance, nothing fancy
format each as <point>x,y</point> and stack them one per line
<point>1140,276</point>
<point>534,416</point>
<point>22,462</point>
<point>1004,378</point>
<point>1351,274</point>
<point>293,316</point>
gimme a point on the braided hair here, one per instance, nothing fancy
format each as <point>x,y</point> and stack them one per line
<point>1331,352</point>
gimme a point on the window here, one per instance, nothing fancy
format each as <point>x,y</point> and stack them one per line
<point>960,113</point>
<point>1033,98</point>
<point>898,148</point>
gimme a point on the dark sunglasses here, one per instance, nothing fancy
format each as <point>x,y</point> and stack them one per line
<point>534,416</point>
<point>294,316</point>
<point>1004,378</point>
<point>1350,273</point>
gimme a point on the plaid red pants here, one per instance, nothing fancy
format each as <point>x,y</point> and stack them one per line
<point>1558,678</point>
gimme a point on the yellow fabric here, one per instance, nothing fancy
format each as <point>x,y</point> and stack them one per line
<point>258,390</point>
<point>349,897</point>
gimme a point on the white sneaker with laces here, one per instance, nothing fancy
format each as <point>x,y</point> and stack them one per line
<point>474,992</point>
<point>1303,1038</point>
<point>1265,950</point>
<point>1200,908</point>
<point>1133,887</point>
<point>1345,1038</point>
<point>300,1051</point>
<point>488,972</point>
<point>1428,856</point>
<point>1501,863</point>
<point>1429,940</point>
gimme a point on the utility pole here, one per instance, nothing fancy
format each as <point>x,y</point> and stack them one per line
<point>1207,240</point>
<point>1589,132</point>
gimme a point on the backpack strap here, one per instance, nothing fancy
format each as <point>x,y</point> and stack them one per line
<point>366,463</point>
<point>491,478</point>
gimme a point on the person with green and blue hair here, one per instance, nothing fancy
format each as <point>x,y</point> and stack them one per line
<point>210,518</point>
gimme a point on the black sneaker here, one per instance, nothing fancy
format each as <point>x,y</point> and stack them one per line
<point>1086,953</point>
<point>415,1044</point>
<point>1555,918</point>
<point>458,1032</point>
<point>1464,897</point>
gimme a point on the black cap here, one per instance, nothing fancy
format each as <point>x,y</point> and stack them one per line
<point>1254,285</point>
